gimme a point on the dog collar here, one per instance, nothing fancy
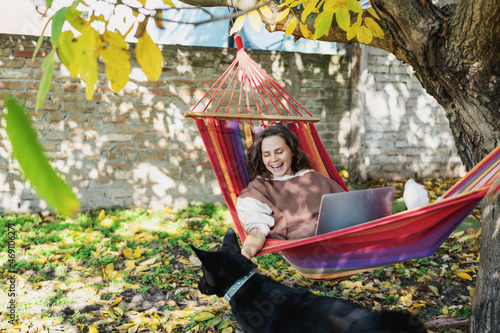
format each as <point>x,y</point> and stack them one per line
<point>237,285</point>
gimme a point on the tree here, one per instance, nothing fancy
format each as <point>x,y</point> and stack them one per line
<point>454,51</point>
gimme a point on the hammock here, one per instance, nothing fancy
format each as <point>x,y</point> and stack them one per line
<point>226,125</point>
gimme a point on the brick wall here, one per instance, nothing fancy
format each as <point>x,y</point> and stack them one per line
<point>135,148</point>
<point>406,133</point>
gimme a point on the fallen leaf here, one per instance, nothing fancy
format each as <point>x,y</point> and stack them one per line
<point>464,276</point>
<point>203,316</point>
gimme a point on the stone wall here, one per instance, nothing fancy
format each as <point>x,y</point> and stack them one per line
<point>135,148</point>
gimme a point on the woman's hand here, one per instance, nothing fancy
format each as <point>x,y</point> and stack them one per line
<point>253,243</point>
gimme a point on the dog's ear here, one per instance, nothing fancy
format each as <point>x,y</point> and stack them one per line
<point>231,241</point>
<point>200,253</point>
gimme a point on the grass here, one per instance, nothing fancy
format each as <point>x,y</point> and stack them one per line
<point>133,270</point>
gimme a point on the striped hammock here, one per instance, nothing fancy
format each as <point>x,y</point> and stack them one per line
<point>226,126</point>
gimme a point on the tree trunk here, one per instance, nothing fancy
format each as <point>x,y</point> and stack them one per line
<point>458,63</point>
<point>485,316</point>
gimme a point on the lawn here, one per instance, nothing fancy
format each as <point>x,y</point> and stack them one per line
<point>132,270</point>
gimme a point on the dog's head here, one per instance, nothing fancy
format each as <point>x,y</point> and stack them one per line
<point>222,268</point>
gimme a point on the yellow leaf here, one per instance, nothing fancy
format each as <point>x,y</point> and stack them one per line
<point>282,14</point>
<point>141,269</point>
<point>117,300</point>
<point>131,286</point>
<point>57,321</point>
<point>406,300</point>
<point>102,214</point>
<point>185,262</point>
<point>110,268</point>
<point>374,27</point>
<point>353,30</point>
<point>116,57</point>
<point>137,253</point>
<point>364,35</point>
<point>227,330</point>
<point>305,30</point>
<point>434,290</point>
<point>86,58</point>
<point>92,329</point>
<point>471,292</point>
<point>309,8</point>
<point>169,2</point>
<point>41,261</point>
<point>127,253</point>
<point>129,263</point>
<point>373,13</point>
<point>355,6</point>
<point>290,28</point>
<point>238,24</point>
<point>203,316</point>
<point>344,173</point>
<point>134,328</point>
<point>148,262</point>
<point>118,310</point>
<point>149,57</point>
<point>346,284</point>
<point>62,286</point>
<point>66,52</point>
<point>255,20</point>
<point>106,223</point>
<point>266,11</point>
<point>464,276</point>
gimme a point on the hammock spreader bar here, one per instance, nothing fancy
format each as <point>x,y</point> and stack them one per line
<point>252,89</point>
<point>407,235</point>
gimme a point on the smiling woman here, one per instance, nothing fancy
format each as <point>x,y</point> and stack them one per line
<point>283,199</point>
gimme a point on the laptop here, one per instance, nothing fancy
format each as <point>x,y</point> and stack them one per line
<point>346,209</point>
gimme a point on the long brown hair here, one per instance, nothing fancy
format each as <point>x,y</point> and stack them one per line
<point>256,166</point>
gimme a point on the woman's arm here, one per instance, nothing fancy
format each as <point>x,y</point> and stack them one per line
<point>253,243</point>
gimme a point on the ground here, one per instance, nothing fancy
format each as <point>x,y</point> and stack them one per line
<point>133,271</point>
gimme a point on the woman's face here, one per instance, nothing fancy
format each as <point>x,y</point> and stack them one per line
<point>277,156</point>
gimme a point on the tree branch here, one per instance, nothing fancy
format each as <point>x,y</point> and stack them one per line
<point>335,34</point>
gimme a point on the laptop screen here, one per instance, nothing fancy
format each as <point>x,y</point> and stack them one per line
<point>346,209</point>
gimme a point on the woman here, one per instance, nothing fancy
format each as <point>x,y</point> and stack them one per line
<point>283,199</point>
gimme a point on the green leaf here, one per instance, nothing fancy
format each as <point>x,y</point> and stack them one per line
<point>48,3</point>
<point>323,23</point>
<point>343,18</point>
<point>29,153</point>
<point>46,81</point>
<point>40,39</point>
<point>354,6</point>
<point>57,24</point>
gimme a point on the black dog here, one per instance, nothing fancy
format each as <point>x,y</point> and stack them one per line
<point>261,304</point>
